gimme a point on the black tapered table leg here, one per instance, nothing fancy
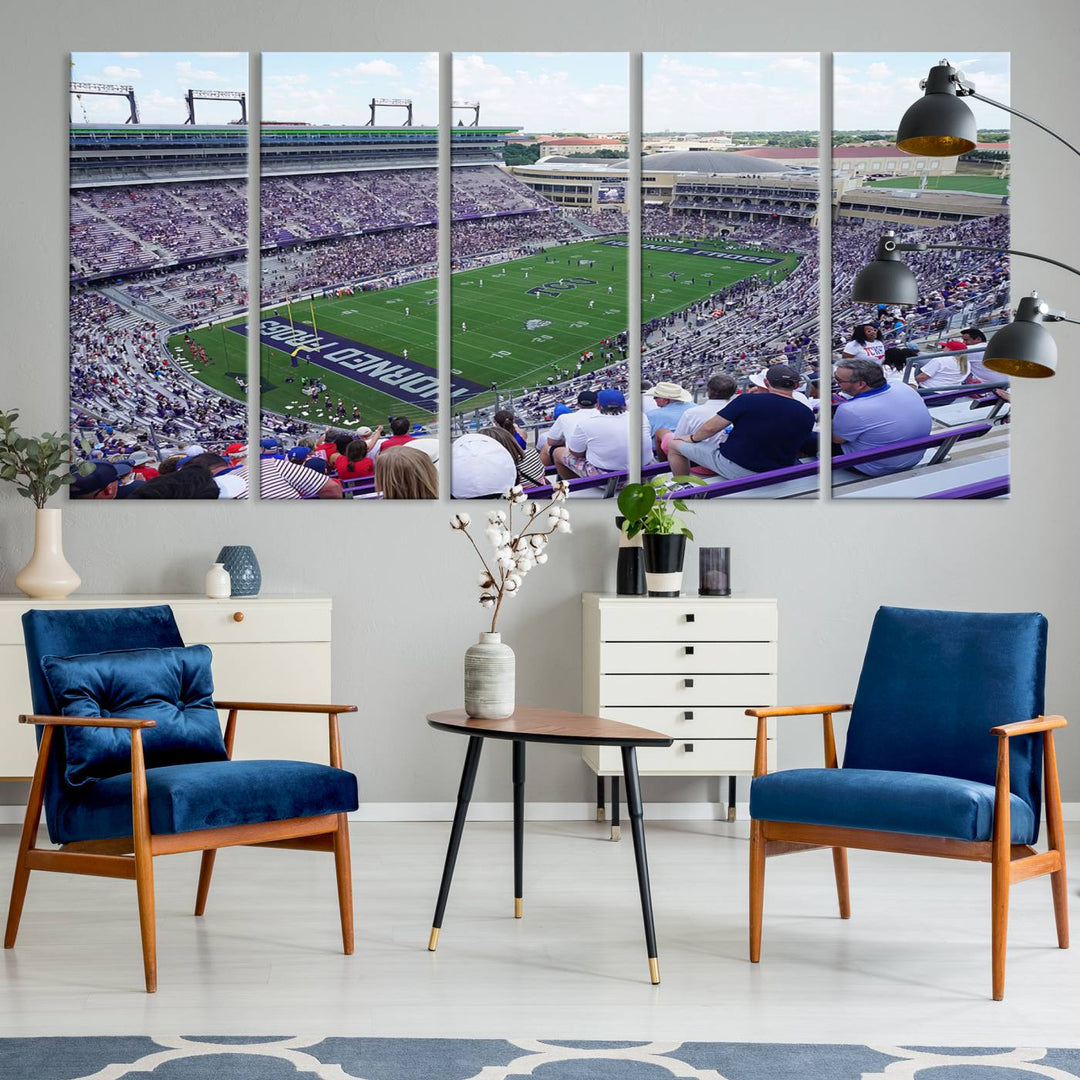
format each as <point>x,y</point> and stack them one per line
<point>519,826</point>
<point>615,829</point>
<point>465,789</point>
<point>637,828</point>
<point>600,798</point>
<point>731,798</point>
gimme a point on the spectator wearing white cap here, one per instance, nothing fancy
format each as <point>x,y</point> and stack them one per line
<point>481,468</point>
<point>671,402</point>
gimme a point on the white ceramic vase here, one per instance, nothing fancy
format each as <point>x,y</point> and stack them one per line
<point>218,582</point>
<point>48,575</point>
<point>489,678</point>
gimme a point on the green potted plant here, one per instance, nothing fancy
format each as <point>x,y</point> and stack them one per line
<point>39,467</point>
<point>664,533</point>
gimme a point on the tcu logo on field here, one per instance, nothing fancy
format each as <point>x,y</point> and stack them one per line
<point>536,324</point>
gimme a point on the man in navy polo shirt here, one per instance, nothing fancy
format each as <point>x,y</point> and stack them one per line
<point>877,413</point>
<point>769,432</point>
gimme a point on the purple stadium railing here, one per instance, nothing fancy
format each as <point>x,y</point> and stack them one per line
<point>984,489</point>
<point>943,440</point>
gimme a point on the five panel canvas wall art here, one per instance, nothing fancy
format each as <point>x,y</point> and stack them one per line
<point>740,394</point>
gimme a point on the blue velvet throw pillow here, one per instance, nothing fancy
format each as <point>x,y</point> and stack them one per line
<point>172,686</point>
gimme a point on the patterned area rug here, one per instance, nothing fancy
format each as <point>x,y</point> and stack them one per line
<point>285,1058</point>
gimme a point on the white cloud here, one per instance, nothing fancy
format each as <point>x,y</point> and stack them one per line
<point>114,71</point>
<point>378,66</point>
<point>186,70</point>
<point>879,70</point>
<point>546,99</point>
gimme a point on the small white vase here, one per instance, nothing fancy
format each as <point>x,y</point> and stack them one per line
<point>489,679</point>
<point>48,576</point>
<point>218,582</point>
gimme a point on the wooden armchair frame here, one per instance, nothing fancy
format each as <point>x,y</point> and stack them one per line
<point>132,857</point>
<point>1009,862</point>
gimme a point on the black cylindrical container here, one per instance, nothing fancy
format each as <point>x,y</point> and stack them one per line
<point>664,554</point>
<point>714,571</point>
<point>630,570</point>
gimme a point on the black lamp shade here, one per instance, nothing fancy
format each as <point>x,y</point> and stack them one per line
<point>886,280</point>
<point>939,124</point>
<point>1025,350</point>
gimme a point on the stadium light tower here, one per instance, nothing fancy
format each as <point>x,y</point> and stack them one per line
<point>215,95</point>
<point>109,90</point>
<point>939,124</point>
<point>1021,348</point>
<point>472,106</point>
<point>391,103</point>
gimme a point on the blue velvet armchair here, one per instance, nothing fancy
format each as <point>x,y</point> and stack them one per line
<point>132,763</point>
<point>947,751</point>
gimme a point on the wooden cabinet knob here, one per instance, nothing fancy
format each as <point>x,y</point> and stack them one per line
<point>238,616</point>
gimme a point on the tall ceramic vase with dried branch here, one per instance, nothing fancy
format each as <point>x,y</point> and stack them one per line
<point>489,664</point>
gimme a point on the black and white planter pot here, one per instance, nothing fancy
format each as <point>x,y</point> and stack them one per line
<point>664,554</point>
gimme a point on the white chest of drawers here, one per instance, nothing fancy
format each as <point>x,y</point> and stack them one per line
<point>266,648</point>
<point>686,666</point>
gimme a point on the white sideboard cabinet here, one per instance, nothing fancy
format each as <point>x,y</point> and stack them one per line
<point>687,666</point>
<point>266,648</point>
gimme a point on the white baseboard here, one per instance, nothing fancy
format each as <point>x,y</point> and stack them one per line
<point>542,811</point>
<point>12,813</point>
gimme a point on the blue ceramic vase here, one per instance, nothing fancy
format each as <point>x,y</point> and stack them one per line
<point>239,560</point>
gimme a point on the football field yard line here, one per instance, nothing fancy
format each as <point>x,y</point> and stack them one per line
<point>496,314</point>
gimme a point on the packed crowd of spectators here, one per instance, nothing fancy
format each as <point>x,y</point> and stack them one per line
<point>126,395</point>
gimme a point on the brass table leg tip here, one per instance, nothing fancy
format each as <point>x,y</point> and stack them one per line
<point>616,832</point>
<point>600,815</point>
<point>654,971</point>
<point>519,907</point>
<point>433,940</point>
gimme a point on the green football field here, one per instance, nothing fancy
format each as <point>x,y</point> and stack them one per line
<point>984,185</point>
<point>525,320</point>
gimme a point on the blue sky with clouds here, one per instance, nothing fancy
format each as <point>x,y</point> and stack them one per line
<point>545,92</point>
<point>336,88</point>
<point>873,90</point>
<point>735,91</point>
<point>160,81</point>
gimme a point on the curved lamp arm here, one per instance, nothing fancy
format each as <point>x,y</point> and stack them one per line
<point>900,246</point>
<point>1015,112</point>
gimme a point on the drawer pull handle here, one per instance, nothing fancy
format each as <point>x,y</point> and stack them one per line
<point>238,616</point>
<point>688,684</point>
<point>688,747</point>
<point>689,650</point>
<point>689,616</point>
<point>688,715</point>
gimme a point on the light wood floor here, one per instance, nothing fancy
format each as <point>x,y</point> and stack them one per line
<point>911,966</point>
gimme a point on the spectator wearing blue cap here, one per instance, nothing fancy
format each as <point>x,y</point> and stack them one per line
<point>565,422</point>
<point>100,483</point>
<point>601,443</point>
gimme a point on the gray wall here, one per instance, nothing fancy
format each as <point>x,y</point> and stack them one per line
<point>401,582</point>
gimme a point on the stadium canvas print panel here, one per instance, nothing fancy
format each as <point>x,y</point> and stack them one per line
<point>730,300</point>
<point>906,366</point>
<point>158,261</point>
<point>349,235</point>
<point>539,154</point>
